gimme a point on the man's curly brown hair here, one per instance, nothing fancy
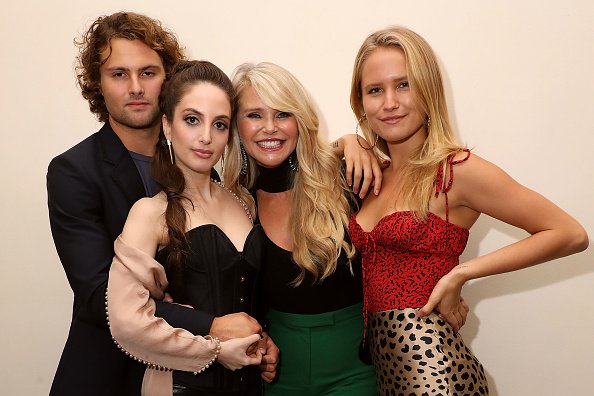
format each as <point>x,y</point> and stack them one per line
<point>126,25</point>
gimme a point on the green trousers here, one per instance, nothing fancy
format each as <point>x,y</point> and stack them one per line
<point>320,354</point>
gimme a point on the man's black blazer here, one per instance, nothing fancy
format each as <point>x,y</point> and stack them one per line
<point>91,188</point>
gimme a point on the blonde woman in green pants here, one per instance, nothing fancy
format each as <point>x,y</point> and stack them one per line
<point>311,279</point>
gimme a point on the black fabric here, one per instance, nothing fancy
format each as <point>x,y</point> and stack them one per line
<point>219,280</point>
<point>180,390</point>
<point>91,187</point>
<point>339,290</point>
<point>274,180</point>
<point>364,352</point>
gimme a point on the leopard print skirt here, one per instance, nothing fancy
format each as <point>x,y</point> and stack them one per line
<point>414,356</point>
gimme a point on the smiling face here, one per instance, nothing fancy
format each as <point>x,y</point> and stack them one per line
<point>268,135</point>
<point>200,127</point>
<point>387,98</point>
<point>131,80</point>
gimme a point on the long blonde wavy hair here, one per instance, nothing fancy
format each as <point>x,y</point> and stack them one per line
<point>320,210</point>
<point>427,89</point>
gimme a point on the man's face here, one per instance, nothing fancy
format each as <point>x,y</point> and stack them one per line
<point>131,80</point>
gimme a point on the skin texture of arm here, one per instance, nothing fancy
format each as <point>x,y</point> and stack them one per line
<point>484,188</point>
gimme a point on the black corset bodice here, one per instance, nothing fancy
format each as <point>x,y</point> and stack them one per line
<point>219,279</point>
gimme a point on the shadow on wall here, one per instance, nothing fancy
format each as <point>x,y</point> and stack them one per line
<point>521,281</point>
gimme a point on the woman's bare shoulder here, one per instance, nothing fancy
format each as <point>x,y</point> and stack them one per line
<point>148,210</point>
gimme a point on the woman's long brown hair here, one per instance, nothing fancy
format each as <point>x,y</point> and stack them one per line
<point>184,75</point>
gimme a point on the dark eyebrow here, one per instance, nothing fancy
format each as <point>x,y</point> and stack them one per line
<point>113,68</point>
<point>123,68</point>
<point>193,110</point>
<point>151,67</point>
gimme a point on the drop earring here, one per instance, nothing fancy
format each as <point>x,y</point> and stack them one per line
<point>293,162</point>
<point>244,160</point>
<point>170,151</point>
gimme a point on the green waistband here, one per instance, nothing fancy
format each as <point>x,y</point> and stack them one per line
<point>316,320</point>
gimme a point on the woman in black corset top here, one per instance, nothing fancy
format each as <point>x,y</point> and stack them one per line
<point>207,248</point>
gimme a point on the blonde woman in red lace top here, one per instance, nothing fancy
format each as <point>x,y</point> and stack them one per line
<point>412,234</point>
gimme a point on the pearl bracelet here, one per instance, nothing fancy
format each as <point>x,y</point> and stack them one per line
<point>216,354</point>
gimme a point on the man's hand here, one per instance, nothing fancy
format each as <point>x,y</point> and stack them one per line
<point>235,325</point>
<point>269,359</point>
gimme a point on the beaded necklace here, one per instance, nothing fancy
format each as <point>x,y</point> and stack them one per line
<point>241,201</point>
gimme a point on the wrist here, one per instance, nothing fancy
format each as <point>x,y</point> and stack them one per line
<point>217,329</point>
<point>216,353</point>
<point>460,275</point>
<point>338,146</point>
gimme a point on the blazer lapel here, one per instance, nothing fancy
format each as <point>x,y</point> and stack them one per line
<point>124,172</point>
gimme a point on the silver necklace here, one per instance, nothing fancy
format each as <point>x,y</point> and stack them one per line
<point>241,201</point>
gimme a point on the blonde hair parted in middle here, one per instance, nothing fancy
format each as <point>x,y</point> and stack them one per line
<point>320,210</point>
<point>426,85</point>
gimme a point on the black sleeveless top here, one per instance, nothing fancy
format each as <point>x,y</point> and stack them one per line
<point>339,290</point>
<point>219,280</point>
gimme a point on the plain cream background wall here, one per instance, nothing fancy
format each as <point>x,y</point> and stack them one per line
<point>519,79</point>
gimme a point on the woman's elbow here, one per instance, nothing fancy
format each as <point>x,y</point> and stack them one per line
<point>577,240</point>
<point>582,240</point>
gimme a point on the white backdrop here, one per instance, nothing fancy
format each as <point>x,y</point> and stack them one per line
<point>519,79</point>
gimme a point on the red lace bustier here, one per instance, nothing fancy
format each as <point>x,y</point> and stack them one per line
<point>403,258</point>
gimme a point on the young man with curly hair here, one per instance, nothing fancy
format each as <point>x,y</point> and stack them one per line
<point>123,61</point>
